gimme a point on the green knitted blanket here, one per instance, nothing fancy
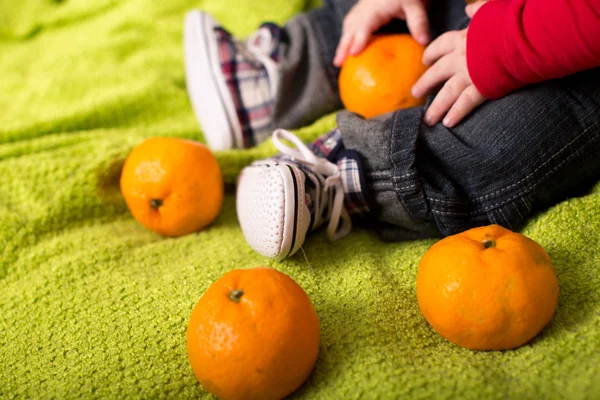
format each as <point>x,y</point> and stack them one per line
<point>92,305</point>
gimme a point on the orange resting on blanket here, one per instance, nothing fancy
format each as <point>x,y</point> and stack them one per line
<point>172,186</point>
<point>487,288</point>
<point>254,334</point>
<point>379,79</point>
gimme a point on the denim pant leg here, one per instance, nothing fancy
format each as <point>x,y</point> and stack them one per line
<point>509,159</point>
<point>308,79</point>
<point>307,90</point>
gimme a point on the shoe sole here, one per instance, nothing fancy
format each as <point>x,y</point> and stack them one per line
<point>206,85</point>
<point>256,186</point>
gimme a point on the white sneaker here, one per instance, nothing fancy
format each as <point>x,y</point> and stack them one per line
<point>280,199</point>
<point>231,83</point>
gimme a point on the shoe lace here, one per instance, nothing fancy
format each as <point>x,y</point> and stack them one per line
<point>328,203</point>
<point>260,44</point>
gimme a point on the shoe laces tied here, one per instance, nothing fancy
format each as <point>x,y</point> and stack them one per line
<point>261,44</point>
<point>331,198</point>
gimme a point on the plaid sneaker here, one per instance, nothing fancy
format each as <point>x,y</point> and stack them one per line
<point>281,199</point>
<point>231,83</point>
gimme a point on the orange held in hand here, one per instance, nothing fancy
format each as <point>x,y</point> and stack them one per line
<point>379,79</point>
<point>487,288</point>
<point>254,334</point>
<point>172,186</point>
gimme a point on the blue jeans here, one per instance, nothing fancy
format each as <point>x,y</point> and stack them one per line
<point>508,159</point>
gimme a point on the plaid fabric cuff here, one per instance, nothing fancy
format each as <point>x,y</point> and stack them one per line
<point>248,84</point>
<point>353,180</point>
<point>331,146</point>
<point>328,145</point>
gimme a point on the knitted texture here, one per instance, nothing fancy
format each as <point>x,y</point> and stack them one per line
<point>92,305</point>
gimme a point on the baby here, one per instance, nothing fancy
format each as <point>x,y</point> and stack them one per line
<point>512,125</point>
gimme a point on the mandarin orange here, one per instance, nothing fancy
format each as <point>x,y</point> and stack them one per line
<point>172,186</point>
<point>254,334</point>
<point>380,78</point>
<point>487,288</point>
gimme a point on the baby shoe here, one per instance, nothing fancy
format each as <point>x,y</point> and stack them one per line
<point>231,83</point>
<point>282,198</point>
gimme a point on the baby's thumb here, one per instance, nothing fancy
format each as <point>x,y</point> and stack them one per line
<point>342,50</point>
<point>418,24</point>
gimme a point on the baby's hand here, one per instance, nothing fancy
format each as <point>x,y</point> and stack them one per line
<point>447,56</point>
<point>367,16</point>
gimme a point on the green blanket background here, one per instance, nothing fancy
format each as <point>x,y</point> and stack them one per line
<point>92,305</point>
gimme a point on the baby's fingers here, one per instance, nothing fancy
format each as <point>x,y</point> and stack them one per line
<point>441,46</point>
<point>359,42</point>
<point>444,100</point>
<point>350,42</point>
<point>342,50</point>
<point>468,100</point>
<point>358,27</point>
<point>434,76</point>
<point>417,21</point>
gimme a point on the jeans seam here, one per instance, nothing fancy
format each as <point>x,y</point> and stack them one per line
<point>526,178</point>
<point>377,172</point>
<point>380,180</point>
<point>519,194</point>
<point>410,179</point>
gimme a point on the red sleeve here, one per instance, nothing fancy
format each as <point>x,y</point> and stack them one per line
<point>513,43</point>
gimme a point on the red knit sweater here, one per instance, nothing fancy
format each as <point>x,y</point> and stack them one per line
<point>513,43</point>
